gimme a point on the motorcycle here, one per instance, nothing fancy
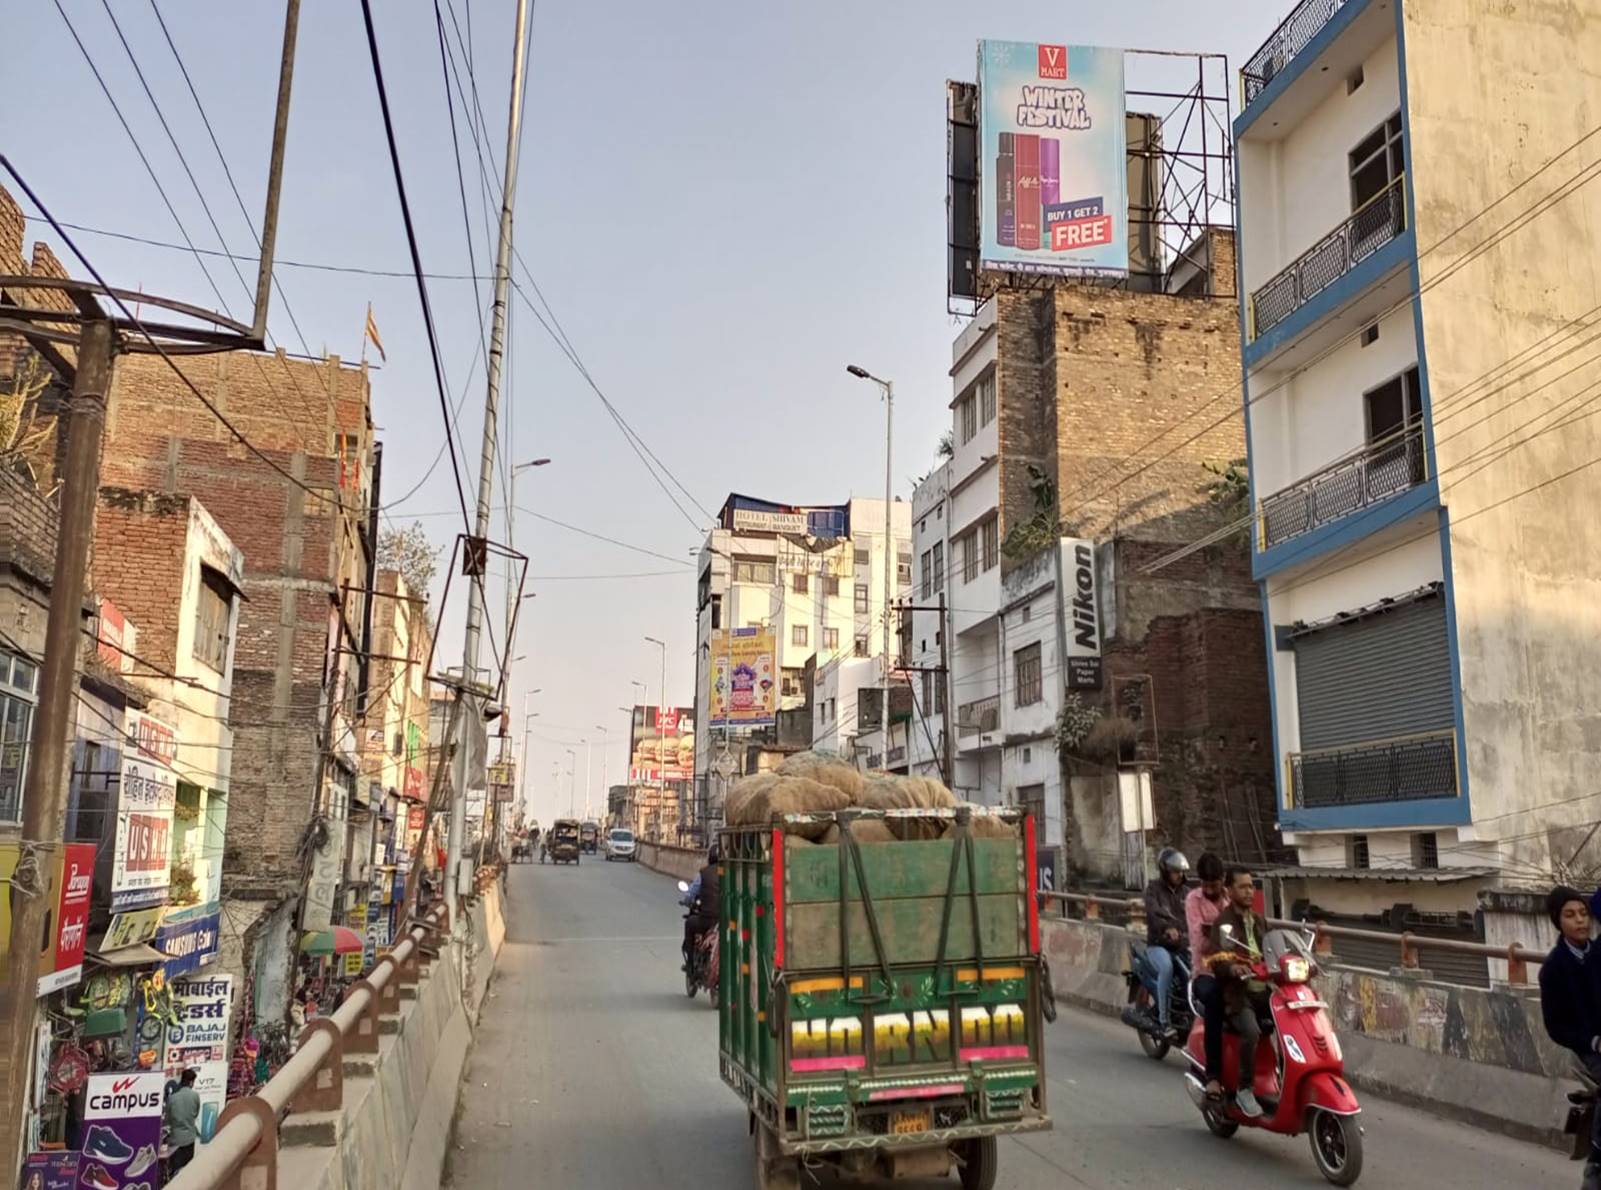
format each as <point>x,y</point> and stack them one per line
<point>1141,1014</point>
<point>1300,1069</point>
<point>702,970</point>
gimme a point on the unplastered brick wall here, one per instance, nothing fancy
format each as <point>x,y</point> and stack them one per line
<point>1103,388</point>
<point>139,549</point>
<point>312,420</point>
<point>27,527</point>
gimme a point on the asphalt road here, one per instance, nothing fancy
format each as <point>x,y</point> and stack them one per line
<point>592,1069</point>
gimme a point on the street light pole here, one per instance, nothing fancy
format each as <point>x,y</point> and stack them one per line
<point>888,389</point>
<point>605,741</point>
<point>572,776</point>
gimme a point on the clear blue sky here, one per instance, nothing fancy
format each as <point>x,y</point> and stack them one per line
<point>724,203</point>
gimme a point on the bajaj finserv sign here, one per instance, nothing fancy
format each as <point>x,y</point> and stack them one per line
<point>1054,161</point>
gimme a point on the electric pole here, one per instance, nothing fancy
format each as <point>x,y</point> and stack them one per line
<point>486,463</point>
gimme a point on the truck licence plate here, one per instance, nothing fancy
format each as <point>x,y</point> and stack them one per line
<point>919,1120</point>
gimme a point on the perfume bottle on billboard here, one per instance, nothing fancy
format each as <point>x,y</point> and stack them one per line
<point>1050,171</point>
<point>1026,149</point>
<point>1005,194</point>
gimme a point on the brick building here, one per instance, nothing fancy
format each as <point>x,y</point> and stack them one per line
<point>1097,418</point>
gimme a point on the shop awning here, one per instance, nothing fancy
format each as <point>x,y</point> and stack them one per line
<point>139,955</point>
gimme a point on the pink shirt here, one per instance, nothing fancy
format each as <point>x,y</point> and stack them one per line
<point>1199,914</point>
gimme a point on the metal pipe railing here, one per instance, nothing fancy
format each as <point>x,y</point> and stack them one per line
<point>312,1078</point>
<point>1516,957</point>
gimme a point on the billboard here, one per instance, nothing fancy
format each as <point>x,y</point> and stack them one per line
<point>1053,159</point>
<point>744,678</point>
<point>1081,613</point>
<point>661,745</point>
<point>142,855</point>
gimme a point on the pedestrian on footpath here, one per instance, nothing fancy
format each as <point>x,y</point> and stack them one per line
<point>183,1122</point>
<point>1570,999</point>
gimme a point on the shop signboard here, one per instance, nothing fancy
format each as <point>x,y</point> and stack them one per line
<point>744,678</point>
<point>131,928</point>
<point>356,919</point>
<point>62,963</point>
<point>201,1005</point>
<point>122,1130</point>
<point>1054,161</point>
<point>324,885</point>
<point>142,855</point>
<point>415,787</point>
<point>211,1084</point>
<point>51,1171</point>
<point>663,745</point>
<point>189,938</point>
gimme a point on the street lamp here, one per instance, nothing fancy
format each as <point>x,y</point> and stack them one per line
<point>605,741</point>
<point>511,503</point>
<point>887,387</point>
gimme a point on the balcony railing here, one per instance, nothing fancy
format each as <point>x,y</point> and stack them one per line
<point>975,718</point>
<point>1385,468</point>
<point>1409,768</point>
<point>1371,226</point>
<point>1304,23</point>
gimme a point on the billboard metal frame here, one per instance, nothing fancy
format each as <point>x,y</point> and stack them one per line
<point>1192,160</point>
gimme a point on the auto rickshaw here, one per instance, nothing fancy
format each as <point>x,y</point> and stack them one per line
<point>564,841</point>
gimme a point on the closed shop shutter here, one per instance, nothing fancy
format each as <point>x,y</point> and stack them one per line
<point>1380,677</point>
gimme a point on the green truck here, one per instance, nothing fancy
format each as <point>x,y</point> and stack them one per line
<point>880,1006</point>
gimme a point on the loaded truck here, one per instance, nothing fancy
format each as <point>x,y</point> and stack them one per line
<point>880,1002</point>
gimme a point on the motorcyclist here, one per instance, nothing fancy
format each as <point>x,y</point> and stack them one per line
<point>1201,908</point>
<point>707,907</point>
<point>1570,999</point>
<point>1236,945</point>
<point>1165,930</point>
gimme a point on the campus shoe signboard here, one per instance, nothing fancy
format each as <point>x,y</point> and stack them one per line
<point>122,1130</point>
<point>1053,161</point>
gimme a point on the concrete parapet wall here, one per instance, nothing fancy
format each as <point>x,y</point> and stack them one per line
<point>681,863</point>
<point>1475,1055</point>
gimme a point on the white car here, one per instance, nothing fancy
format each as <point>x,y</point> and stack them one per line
<point>620,845</point>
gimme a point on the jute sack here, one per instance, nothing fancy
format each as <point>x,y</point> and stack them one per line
<point>760,799</point>
<point>826,769</point>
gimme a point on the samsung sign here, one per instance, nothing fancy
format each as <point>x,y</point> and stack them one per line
<point>1081,614</point>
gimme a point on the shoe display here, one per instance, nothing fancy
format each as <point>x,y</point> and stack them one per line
<point>105,1145</point>
<point>142,1160</point>
<point>97,1177</point>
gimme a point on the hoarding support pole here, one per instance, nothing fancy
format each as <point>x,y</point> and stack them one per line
<point>946,693</point>
<point>44,804</point>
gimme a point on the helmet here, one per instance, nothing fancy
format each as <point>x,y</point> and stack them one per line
<point>1172,860</point>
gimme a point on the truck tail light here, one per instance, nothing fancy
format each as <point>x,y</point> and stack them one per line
<point>778,898</point>
<point>1031,866</point>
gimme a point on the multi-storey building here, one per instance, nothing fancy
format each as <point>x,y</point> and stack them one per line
<point>813,576</point>
<point>1417,257</point>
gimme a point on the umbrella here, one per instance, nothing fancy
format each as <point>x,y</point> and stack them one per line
<point>333,940</point>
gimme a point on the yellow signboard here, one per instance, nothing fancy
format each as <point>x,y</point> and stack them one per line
<point>744,678</point>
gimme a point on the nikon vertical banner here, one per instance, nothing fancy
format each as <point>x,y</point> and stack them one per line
<point>1081,613</point>
<point>1053,159</point>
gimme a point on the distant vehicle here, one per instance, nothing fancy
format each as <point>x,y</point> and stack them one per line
<point>620,845</point>
<point>565,841</point>
<point>589,837</point>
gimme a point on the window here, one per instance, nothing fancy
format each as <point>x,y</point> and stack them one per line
<point>211,620</point>
<point>928,691</point>
<point>1028,612</point>
<point>969,543</point>
<point>861,599</point>
<point>797,635</point>
<point>967,411</point>
<point>986,399</point>
<point>1370,335</point>
<point>794,683</point>
<point>1032,799</point>
<point>903,570</point>
<point>1354,80</point>
<point>799,582</point>
<point>717,611</point>
<point>926,563</point>
<point>831,584</point>
<point>1027,663</point>
<point>992,543</point>
<point>830,639</point>
<point>939,512</point>
<point>939,694</point>
<point>1377,162</point>
<point>861,646</point>
<point>1356,851</point>
<point>18,680</point>
<point>939,566</point>
<point>1426,850</point>
<point>864,556</point>
<point>831,710</point>
<point>1394,410</point>
<point>754,570</point>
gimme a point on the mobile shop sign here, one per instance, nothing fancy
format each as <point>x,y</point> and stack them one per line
<point>201,1033</point>
<point>189,942</point>
<point>122,1129</point>
<point>1054,164</point>
<point>1081,613</point>
<point>142,858</point>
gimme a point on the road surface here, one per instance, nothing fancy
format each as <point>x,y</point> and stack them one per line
<point>592,1069</point>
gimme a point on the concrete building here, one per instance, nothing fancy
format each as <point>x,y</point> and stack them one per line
<point>812,576</point>
<point>1417,261</point>
<point>1081,418</point>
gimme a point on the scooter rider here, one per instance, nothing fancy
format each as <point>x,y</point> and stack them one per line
<point>1570,999</point>
<point>1236,944</point>
<point>1164,929</point>
<point>707,908</point>
<point>1201,909</point>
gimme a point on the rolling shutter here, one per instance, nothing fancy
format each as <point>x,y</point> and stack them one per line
<point>1380,677</point>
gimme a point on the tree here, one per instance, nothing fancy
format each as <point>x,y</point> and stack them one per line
<point>409,551</point>
<point>22,431</point>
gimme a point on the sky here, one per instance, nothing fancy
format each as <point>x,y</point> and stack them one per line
<point>722,203</point>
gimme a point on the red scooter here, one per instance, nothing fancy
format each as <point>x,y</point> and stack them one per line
<point>1300,1071</point>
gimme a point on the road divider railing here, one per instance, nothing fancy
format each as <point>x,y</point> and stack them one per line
<point>243,1153</point>
<point>1409,945</point>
